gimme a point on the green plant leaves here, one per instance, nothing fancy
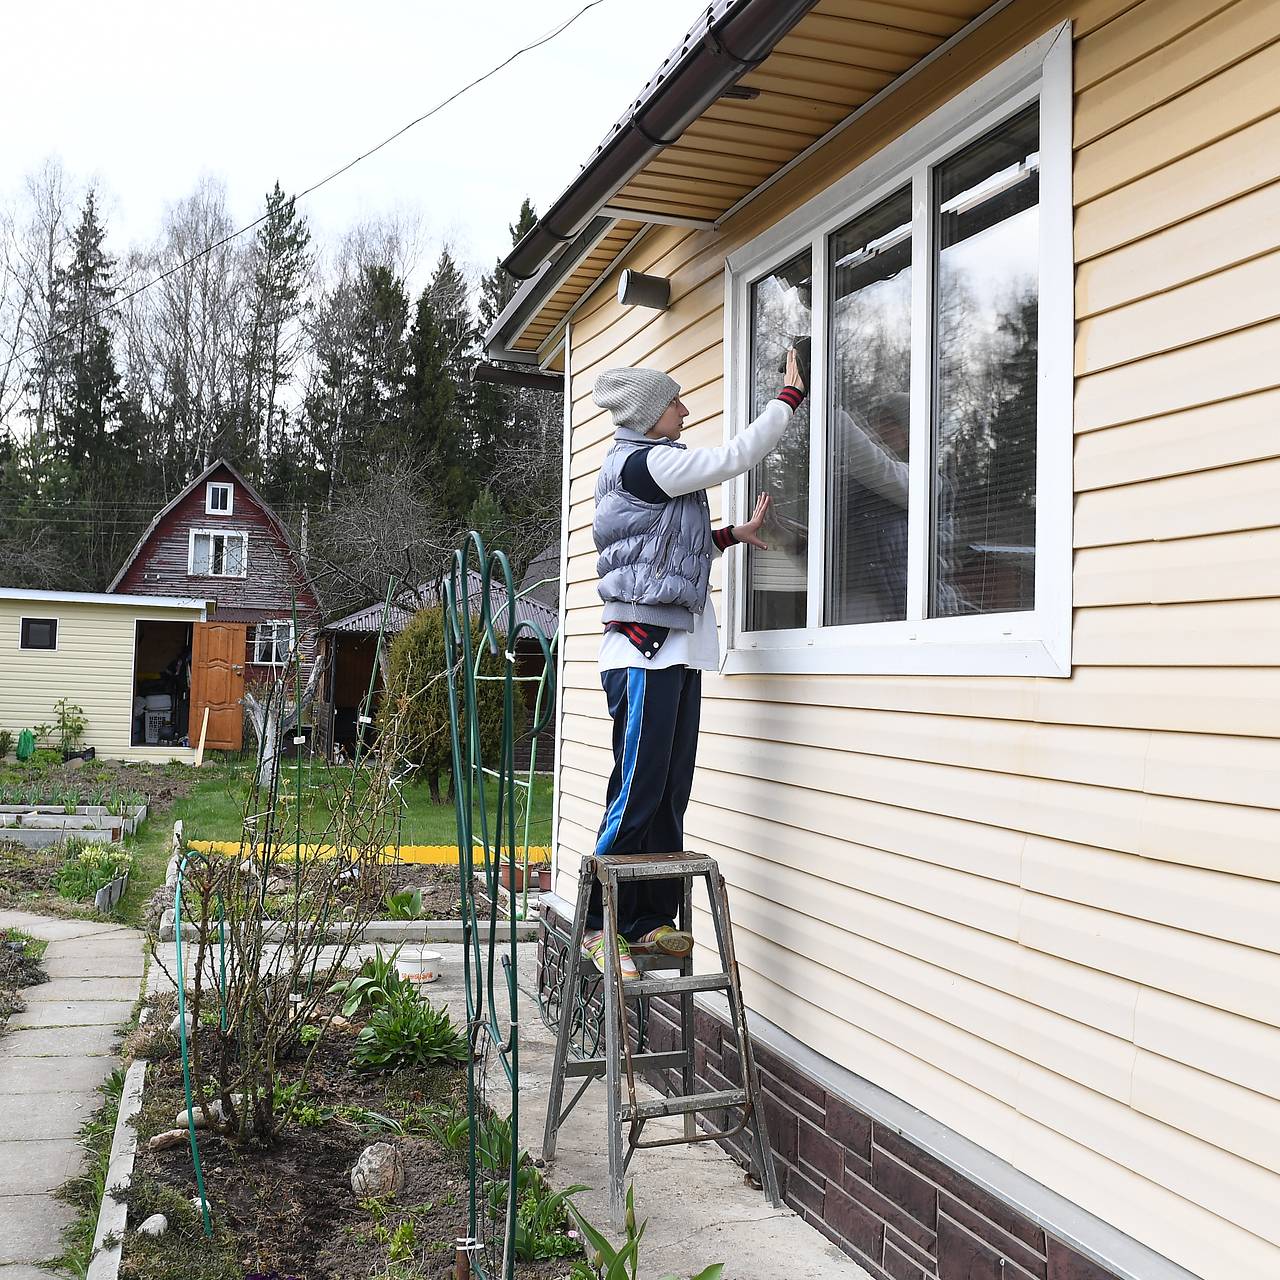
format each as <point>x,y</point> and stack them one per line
<point>408,1032</point>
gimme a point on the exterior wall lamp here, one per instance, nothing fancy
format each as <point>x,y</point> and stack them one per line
<point>638,290</point>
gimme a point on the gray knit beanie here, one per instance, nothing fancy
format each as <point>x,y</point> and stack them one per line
<point>637,398</point>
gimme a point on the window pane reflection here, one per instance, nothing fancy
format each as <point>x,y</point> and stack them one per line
<point>984,499</point>
<point>868,427</point>
<point>777,579</point>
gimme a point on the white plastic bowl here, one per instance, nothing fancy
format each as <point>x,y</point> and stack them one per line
<point>418,964</point>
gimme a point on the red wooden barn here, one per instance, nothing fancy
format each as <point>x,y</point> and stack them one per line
<point>220,541</point>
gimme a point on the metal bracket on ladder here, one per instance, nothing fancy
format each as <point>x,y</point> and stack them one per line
<point>620,1056</point>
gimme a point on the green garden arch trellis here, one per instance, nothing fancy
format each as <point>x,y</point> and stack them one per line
<point>489,957</point>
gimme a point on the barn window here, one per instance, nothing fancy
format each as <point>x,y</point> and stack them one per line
<point>921,514</point>
<point>218,500</point>
<point>272,643</point>
<point>218,555</point>
<point>38,633</point>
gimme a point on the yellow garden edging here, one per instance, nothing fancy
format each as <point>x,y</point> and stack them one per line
<point>441,854</point>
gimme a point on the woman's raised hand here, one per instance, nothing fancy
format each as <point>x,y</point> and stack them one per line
<point>793,378</point>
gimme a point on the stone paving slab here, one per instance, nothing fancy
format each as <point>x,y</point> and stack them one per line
<point>66,990</point>
<point>54,929</point>
<point>89,1013</point>
<point>31,1227</point>
<point>30,1167</point>
<point>53,1057</point>
<point>38,1123</point>
<point>114,961</point>
<point>43,1076</point>
<point>58,1042</point>
<point>20,1271</point>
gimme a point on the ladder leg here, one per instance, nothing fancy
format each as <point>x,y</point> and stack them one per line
<point>686,1010</point>
<point>612,1051</point>
<point>568,1003</point>
<point>746,1057</point>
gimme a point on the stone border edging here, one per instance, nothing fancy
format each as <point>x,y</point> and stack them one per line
<point>377,930</point>
<point>112,1215</point>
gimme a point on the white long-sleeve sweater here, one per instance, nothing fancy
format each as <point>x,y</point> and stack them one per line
<point>681,471</point>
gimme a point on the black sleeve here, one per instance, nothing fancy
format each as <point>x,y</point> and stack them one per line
<point>637,481</point>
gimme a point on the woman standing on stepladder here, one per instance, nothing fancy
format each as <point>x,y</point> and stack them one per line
<point>653,531</point>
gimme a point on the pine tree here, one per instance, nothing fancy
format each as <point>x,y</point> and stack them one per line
<point>500,286</point>
<point>95,430</point>
<point>280,265</point>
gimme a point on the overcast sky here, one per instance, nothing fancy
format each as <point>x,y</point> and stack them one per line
<point>143,97</point>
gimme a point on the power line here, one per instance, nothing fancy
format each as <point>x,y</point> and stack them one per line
<point>315,186</point>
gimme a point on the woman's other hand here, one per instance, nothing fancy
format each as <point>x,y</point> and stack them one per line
<point>750,532</point>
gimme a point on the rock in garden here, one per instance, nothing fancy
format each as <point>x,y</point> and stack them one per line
<point>170,1138</point>
<point>206,1117</point>
<point>176,1025</point>
<point>156,1225</point>
<point>379,1171</point>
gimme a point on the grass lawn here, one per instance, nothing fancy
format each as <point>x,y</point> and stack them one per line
<point>214,810</point>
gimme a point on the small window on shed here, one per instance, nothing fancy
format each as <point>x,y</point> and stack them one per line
<point>39,633</point>
<point>217,499</point>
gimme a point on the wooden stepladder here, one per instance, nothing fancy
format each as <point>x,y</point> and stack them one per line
<point>620,1056</point>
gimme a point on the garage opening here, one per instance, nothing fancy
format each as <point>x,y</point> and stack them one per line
<point>161,683</point>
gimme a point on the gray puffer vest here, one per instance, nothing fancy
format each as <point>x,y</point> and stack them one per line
<point>655,557</point>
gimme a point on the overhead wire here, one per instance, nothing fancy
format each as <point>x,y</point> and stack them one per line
<point>315,186</point>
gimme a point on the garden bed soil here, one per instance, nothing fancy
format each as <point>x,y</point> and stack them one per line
<point>290,1208</point>
<point>441,892</point>
<point>162,785</point>
<point>17,970</point>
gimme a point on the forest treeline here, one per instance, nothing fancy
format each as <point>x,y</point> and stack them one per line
<point>310,367</point>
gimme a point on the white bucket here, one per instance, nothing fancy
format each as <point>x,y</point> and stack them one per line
<point>418,965</point>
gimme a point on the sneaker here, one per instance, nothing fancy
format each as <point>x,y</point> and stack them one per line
<point>667,939</point>
<point>593,949</point>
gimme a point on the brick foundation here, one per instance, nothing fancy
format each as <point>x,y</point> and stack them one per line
<point>895,1209</point>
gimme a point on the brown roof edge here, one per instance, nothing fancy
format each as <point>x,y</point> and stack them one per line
<point>728,39</point>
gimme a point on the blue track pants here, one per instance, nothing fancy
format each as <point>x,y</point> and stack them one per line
<point>655,745</point>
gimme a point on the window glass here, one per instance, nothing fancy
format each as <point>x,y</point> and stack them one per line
<point>777,579</point>
<point>869,384</point>
<point>987,294</point>
<point>218,555</point>
<point>234,556</point>
<point>200,557</point>
<point>219,498</point>
<point>272,643</point>
<point>38,633</point>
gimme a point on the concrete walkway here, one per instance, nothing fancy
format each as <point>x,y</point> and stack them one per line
<point>53,1057</point>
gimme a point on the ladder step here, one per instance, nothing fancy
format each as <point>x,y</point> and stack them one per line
<point>643,1061</point>
<point>669,986</point>
<point>664,866</point>
<point>682,1106</point>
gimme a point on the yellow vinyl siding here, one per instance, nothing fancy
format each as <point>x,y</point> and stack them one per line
<point>1042,911</point>
<point>92,667</point>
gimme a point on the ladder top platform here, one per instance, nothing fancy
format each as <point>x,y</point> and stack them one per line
<point>641,866</point>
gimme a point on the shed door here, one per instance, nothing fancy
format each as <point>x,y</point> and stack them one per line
<point>217,682</point>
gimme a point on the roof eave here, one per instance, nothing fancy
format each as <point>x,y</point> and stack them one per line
<point>729,45</point>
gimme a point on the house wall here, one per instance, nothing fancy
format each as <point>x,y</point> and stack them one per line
<point>265,592</point>
<point>1041,911</point>
<point>92,667</point>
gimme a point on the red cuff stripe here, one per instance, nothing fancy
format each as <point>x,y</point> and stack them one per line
<point>723,538</point>
<point>792,397</point>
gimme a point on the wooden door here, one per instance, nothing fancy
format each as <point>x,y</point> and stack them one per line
<point>217,682</point>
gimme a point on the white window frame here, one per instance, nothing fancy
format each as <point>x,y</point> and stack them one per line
<point>209,508</point>
<point>275,624</point>
<point>217,533</point>
<point>40,617</point>
<point>1036,642</point>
